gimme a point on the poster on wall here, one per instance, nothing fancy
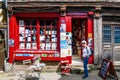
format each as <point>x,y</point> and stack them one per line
<point>63,28</point>
<point>69,38</point>
<point>63,52</point>
<point>69,43</point>
<point>90,41</point>
<point>63,36</point>
<point>63,44</point>
<point>69,52</point>
<point>11,42</point>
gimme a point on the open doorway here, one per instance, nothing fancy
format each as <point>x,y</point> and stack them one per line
<point>79,33</point>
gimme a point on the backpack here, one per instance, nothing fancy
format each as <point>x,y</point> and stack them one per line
<point>90,50</point>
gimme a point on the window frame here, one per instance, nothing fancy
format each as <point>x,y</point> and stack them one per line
<point>38,34</point>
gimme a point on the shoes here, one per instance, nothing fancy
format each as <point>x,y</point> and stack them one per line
<point>84,77</point>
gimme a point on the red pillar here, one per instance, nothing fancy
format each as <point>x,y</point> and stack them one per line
<point>11,36</point>
<point>90,36</point>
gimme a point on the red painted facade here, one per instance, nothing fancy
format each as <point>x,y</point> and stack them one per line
<point>14,34</point>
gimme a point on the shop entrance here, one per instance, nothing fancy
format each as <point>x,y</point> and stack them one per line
<point>79,33</point>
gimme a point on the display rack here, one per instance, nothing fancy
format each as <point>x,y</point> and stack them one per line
<point>27,34</point>
<point>38,37</point>
<point>79,32</point>
<point>48,35</point>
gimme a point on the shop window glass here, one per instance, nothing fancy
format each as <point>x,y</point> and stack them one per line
<point>27,34</point>
<point>53,22</point>
<point>43,37</point>
<point>41,22</point>
<point>48,22</point>
<point>33,22</point>
<point>27,22</point>
<point>48,35</point>
<point>117,35</point>
<point>107,34</point>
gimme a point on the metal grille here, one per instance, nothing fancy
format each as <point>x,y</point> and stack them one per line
<point>107,34</point>
<point>117,34</point>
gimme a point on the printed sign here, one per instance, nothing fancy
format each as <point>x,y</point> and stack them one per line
<point>63,36</point>
<point>106,67</point>
<point>27,55</point>
<point>63,52</point>
<point>11,42</point>
<point>63,26</point>
<point>63,44</point>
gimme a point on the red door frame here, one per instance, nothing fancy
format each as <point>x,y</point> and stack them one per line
<point>89,28</point>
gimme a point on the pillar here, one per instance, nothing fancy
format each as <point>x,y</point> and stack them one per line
<point>97,37</point>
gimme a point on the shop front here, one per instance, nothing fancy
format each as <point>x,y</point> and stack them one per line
<point>54,37</point>
<point>34,33</point>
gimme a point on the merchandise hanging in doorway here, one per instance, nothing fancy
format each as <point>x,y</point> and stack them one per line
<point>79,34</point>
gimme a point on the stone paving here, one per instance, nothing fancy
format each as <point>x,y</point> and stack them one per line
<point>21,69</point>
<point>93,75</point>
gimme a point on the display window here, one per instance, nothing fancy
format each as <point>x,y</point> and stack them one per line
<point>38,34</point>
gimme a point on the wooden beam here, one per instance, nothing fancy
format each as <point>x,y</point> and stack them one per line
<point>58,4</point>
<point>63,1</point>
<point>111,14</point>
<point>111,22</point>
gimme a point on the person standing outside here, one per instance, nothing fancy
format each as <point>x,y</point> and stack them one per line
<point>85,57</point>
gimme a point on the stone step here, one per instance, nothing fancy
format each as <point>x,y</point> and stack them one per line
<point>51,69</point>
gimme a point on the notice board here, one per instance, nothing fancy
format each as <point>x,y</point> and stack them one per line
<point>107,67</point>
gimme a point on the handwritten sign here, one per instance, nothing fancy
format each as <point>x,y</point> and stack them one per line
<point>106,67</point>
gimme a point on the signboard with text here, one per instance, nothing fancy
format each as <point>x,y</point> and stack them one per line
<point>106,67</point>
